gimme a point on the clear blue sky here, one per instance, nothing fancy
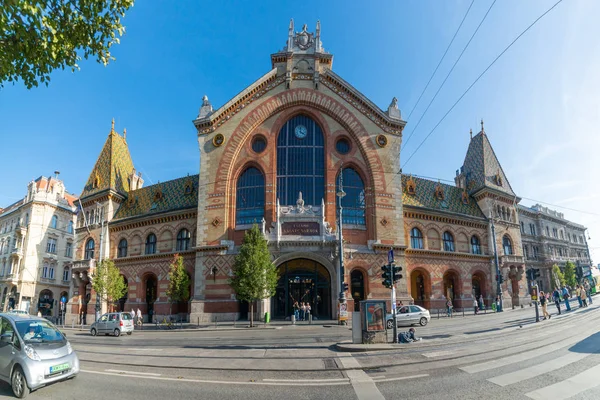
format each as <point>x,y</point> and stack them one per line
<point>540,101</point>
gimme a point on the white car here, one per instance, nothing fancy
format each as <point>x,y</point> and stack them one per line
<point>409,315</point>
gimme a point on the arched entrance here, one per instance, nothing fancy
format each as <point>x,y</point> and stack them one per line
<point>123,299</point>
<point>46,303</point>
<point>420,287</point>
<point>12,299</point>
<point>150,295</point>
<point>357,281</point>
<point>302,281</point>
<point>478,284</point>
<point>62,306</point>
<point>451,289</point>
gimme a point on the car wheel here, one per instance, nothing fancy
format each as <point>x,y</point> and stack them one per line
<point>19,383</point>
<point>128,333</point>
<point>423,321</point>
<point>117,333</point>
<point>390,324</point>
<point>93,332</point>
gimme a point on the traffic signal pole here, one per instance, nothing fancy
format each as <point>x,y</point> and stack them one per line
<point>394,311</point>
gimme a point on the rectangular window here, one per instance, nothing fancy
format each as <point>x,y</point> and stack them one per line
<point>526,252</point>
<point>69,250</point>
<point>532,229</point>
<point>535,252</point>
<point>555,233</point>
<point>51,273</point>
<point>547,231</point>
<point>51,246</point>
<point>45,271</point>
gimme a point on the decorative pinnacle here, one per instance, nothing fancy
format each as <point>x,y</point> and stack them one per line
<point>482,126</point>
<point>471,133</point>
<point>125,133</point>
<point>112,128</point>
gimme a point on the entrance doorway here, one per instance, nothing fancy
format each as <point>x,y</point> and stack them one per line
<point>150,296</point>
<point>302,281</point>
<point>123,299</point>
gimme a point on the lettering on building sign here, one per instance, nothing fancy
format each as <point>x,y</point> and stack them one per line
<point>301,228</point>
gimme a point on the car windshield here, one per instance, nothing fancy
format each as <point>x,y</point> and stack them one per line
<point>38,331</point>
<point>126,316</point>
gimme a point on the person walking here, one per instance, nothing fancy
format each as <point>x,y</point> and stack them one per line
<point>308,309</point>
<point>544,305</point>
<point>475,305</point>
<point>586,285</point>
<point>139,317</point>
<point>578,293</point>
<point>583,297</point>
<point>481,303</point>
<point>556,296</point>
<point>566,296</point>
<point>449,307</point>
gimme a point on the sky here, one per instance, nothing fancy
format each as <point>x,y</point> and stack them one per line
<point>539,101</point>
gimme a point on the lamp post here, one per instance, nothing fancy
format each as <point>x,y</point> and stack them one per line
<point>99,260</point>
<point>342,299</point>
<point>498,275</point>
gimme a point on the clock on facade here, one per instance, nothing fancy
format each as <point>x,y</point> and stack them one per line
<point>300,131</point>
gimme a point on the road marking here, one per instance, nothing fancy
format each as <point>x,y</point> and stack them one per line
<point>164,378</point>
<point>401,378</point>
<point>144,349</point>
<point>537,370</point>
<point>308,380</point>
<point>132,372</point>
<point>438,353</point>
<point>363,384</point>
<point>569,387</point>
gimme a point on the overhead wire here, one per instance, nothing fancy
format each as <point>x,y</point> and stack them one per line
<point>449,73</point>
<point>477,79</point>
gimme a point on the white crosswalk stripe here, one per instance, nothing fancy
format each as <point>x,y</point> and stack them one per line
<point>569,387</point>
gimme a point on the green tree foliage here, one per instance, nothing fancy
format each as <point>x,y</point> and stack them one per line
<point>108,282</point>
<point>254,275</point>
<point>179,281</point>
<point>39,36</point>
<point>557,277</point>
<point>569,274</point>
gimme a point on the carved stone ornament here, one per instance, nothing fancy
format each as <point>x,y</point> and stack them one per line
<point>216,222</point>
<point>439,192</point>
<point>465,197</point>
<point>381,141</point>
<point>218,140</point>
<point>411,186</point>
<point>304,39</point>
<point>384,221</point>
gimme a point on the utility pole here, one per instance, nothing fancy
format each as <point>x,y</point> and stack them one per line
<point>342,320</point>
<point>498,275</point>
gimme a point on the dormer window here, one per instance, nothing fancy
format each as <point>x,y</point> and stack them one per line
<point>411,186</point>
<point>158,195</point>
<point>439,192</point>
<point>498,179</point>
<point>189,187</point>
<point>465,197</point>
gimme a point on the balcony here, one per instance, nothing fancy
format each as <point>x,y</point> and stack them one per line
<point>83,265</point>
<point>511,259</point>
<point>17,251</point>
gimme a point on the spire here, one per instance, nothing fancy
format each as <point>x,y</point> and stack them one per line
<point>125,133</point>
<point>471,133</point>
<point>318,37</point>
<point>290,42</point>
<point>482,130</point>
<point>112,126</point>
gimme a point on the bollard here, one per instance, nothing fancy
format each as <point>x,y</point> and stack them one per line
<point>438,313</point>
<point>198,322</point>
<point>310,319</point>
<point>293,320</point>
<point>463,311</point>
<point>216,325</point>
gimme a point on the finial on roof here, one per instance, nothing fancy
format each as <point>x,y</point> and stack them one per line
<point>318,36</point>
<point>471,132</point>
<point>112,127</point>
<point>125,133</point>
<point>393,110</point>
<point>482,130</point>
<point>290,42</point>
<point>206,108</point>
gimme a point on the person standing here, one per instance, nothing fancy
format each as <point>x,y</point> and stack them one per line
<point>578,293</point>
<point>586,285</point>
<point>475,305</point>
<point>303,311</point>
<point>566,296</point>
<point>556,296</point>
<point>139,317</point>
<point>449,307</point>
<point>583,297</point>
<point>544,305</point>
<point>308,310</point>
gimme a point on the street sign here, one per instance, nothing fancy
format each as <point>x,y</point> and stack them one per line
<point>391,256</point>
<point>534,293</point>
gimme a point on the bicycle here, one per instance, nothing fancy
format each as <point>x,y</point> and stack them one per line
<point>167,324</point>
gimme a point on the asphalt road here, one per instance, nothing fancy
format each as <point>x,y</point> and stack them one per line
<point>502,356</point>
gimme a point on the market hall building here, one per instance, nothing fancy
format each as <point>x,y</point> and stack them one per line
<point>274,155</point>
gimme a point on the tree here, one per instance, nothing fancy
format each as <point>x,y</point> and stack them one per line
<point>557,277</point>
<point>569,274</point>
<point>108,282</point>
<point>254,275</point>
<point>39,36</point>
<point>179,282</point>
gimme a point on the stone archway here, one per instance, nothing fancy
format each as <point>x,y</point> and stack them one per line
<point>478,283</point>
<point>46,303</point>
<point>151,286</point>
<point>451,286</point>
<point>420,287</point>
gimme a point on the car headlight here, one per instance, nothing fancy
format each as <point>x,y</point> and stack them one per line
<point>69,348</point>
<point>31,353</point>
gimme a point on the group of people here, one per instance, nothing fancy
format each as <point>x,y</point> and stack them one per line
<point>302,311</point>
<point>478,303</point>
<point>581,291</point>
<point>137,318</point>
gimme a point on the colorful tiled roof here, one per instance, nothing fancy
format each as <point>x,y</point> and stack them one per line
<point>112,169</point>
<point>482,168</point>
<point>178,194</point>
<point>425,196</point>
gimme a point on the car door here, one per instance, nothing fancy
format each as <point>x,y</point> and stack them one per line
<point>403,316</point>
<point>6,348</point>
<point>113,322</point>
<point>101,325</point>
<point>415,315</point>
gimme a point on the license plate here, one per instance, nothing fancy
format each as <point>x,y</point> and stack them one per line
<point>58,368</point>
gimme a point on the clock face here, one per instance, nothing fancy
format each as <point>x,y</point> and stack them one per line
<point>300,131</point>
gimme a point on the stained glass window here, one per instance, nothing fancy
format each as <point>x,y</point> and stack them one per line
<point>353,202</point>
<point>300,162</point>
<point>250,197</point>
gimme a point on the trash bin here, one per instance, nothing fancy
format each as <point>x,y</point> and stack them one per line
<point>494,307</point>
<point>267,317</point>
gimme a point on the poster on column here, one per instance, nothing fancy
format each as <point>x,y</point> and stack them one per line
<point>343,311</point>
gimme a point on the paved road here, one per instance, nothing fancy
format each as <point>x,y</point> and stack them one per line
<point>554,359</point>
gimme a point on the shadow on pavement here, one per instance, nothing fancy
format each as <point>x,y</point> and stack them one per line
<point>589,345</point>
<point>483,331</point>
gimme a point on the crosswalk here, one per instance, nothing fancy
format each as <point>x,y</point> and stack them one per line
<point>549,364</point>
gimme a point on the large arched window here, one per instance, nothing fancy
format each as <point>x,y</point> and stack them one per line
<point>300,162</point>
<point>448,241</point>
<point>475,245</point>
<point>183,240</point>
<point>151,244</point>
<point>416,238</point>
<point>250,197</point>
<point>353,202</point>
<point>507,245</point>
<point>66,274</point>
<point>89,249</point>
<point>122,251</point>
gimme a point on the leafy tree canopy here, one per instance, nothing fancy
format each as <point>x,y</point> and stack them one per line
<point>39,36</point>
<point>569,274</point>
<point>179,281</point>
<point>108,281</point>
<point>557,277</point>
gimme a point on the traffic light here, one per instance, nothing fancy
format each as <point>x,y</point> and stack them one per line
<point>579,273</point>
<point>535,273</point>
<point>387,276</point>
<point>396,275</point>
<point>344,287</point>
<point>530,274</point>
<point>499,278</point>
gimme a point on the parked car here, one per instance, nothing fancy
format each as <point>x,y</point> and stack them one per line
<point>409,315</point>
<point>33,353</point>
<point>113,323</point>
<point>20,312</point>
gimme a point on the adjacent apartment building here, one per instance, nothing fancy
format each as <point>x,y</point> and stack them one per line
<point>36,249</point>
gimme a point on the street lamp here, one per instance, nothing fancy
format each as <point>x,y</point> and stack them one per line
<point>99,257</point>
<point>340,194</point>
<point>498,274</point>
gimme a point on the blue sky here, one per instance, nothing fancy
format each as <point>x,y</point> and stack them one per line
<point>539,101</point>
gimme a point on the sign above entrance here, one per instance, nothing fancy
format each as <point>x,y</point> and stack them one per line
<point>301,228</point>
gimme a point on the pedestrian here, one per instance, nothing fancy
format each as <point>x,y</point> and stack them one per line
<point>475,305</point>
<point>39,314</point>
<point>544,304</point>
<point>481,303</point>
<point>583,297</point>
<point>308,309</point>
<point>556,296</point>
<point>449,307</point>
<point>408,337</point>
<point>133,315</point>
<point>303,312</point>
<point>578,293</point>
<point>497,303</point>
<point>566,296</point>
<point>139,317</point>
<point>296,311</point>
<point>586,286</point>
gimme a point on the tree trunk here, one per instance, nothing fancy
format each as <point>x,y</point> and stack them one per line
<point>251,314</point>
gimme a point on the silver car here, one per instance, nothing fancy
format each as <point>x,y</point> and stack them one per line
<point>409,315</point>
<point>113,323</point>
<point>33,353</point>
